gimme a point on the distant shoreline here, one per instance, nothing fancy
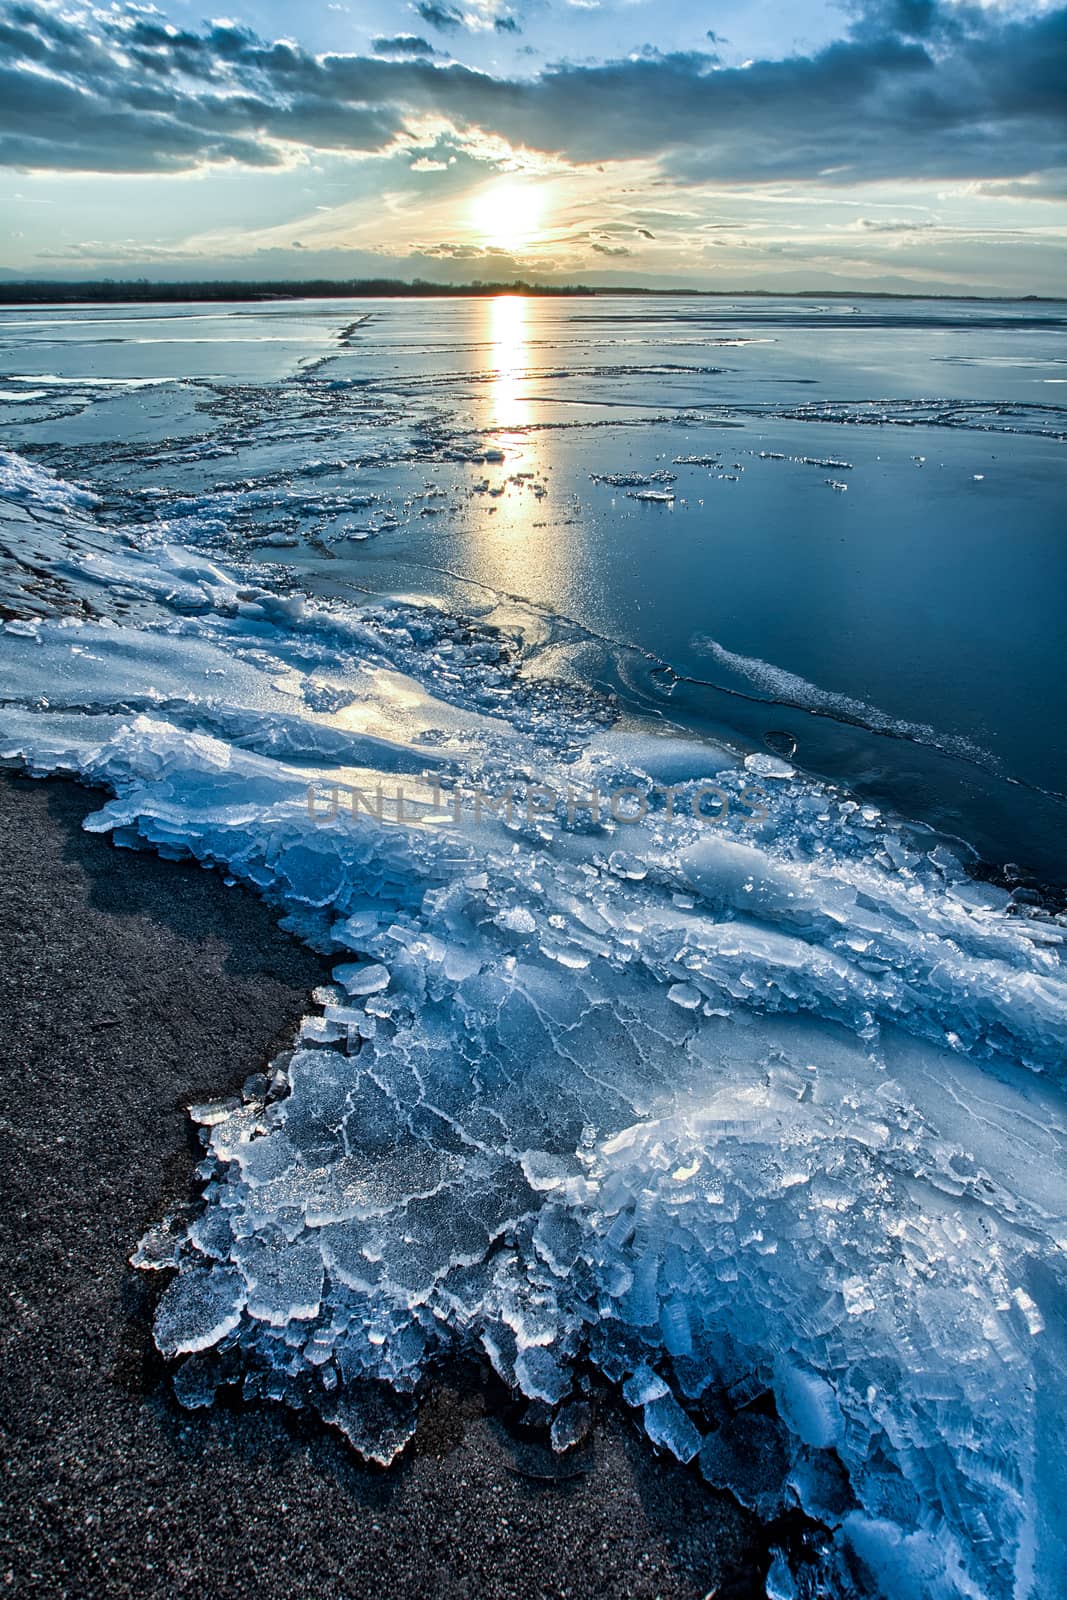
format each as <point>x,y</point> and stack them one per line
<point>45,292</point>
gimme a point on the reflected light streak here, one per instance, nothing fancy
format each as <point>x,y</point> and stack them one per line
<point>507,338</point>
<point>518,542</point>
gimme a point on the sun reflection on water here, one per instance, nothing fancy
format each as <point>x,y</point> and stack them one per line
<point>517,540</point>
<point>508,356</point>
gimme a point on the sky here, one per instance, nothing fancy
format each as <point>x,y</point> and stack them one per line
<point>909,145</point>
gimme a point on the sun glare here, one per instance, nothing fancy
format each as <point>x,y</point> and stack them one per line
<point>508,213</point>
<point>507,332</point>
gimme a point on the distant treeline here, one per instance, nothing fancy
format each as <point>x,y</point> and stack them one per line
<point>118,290</point>
<point>110,290</point>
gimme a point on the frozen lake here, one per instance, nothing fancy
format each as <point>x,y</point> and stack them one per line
<point>853,530</point>
<point>623,691</point>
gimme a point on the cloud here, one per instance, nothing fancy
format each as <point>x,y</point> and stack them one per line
<point>916,90</point>
<point>1050,185</point>
<point>610,249</point>
<point>506,25</point>
<point>912,19</point>
<point>403,44</point>
<point>440,16</point>
<point>891,224</point>
<point>715,39</point>
<point>468,252</point>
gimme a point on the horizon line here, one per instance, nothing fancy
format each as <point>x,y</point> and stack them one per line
<point>94,290</point>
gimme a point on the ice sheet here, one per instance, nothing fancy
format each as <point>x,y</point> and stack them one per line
<point>638,1053</point>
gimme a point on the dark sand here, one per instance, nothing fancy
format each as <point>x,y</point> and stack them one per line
<point>131,986</point>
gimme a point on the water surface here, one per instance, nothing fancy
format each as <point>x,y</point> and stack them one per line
<point>864,549</point>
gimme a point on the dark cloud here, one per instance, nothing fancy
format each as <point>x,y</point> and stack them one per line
<point>467,252</point>
<point>403,44</point>
<point>440,16</point>
<point>912,19</point>
<point>1050,185</point>
<point>610,249</point>
<point>915,90</point>
<point>892,224</point>
<point>506,25</point>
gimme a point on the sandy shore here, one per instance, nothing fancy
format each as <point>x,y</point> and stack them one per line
<point>131,986</point>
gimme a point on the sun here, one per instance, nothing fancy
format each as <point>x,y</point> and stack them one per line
<point>507,213</point>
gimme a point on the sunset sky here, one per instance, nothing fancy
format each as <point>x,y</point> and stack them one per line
<point>896,144</point>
